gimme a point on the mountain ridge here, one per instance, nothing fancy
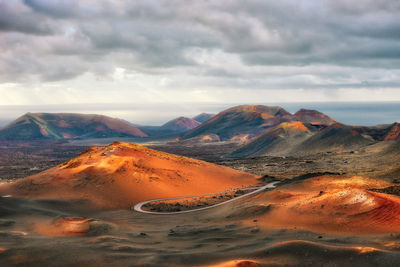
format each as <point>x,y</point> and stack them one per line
<point>67,126</point>
<point>251,120</point>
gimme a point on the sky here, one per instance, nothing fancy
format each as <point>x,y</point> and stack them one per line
<point>176,56</point>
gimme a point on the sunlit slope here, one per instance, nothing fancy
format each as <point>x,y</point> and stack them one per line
<point>278,140</point>
<point>122,174</point>
<point>330,204</point>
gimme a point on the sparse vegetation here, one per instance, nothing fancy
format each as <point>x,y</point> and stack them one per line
<point>192,202</point>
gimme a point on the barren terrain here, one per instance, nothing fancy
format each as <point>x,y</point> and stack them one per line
<point>335,209</point>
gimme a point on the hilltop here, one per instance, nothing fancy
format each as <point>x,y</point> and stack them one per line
<point>181,124</point>
<point>122,174</point>
<point>313,117</point>
<point>203,117</point>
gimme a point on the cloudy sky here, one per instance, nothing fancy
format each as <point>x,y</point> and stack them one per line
<point>194,54</point>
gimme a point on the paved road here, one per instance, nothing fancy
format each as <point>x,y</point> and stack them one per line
<point>138,207</point>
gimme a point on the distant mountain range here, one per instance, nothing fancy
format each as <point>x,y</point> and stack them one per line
<point>262,130</point>
<point>67,126</point>
<point>36,126</point>
<point>175,126</point>
<point>266,130</point>
<point>248,121</point>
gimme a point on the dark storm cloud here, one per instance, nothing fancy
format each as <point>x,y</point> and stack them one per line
<point>16,17</point>
<point>57,39</point>
<point>54,8</point>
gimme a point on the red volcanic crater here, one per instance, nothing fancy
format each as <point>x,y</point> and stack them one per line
<point>123,174</point>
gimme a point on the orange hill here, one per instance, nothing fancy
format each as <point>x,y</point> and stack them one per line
<point>331,204</point>
<point>122,174</point>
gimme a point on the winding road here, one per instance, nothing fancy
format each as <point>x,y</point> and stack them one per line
<point>138,207</point>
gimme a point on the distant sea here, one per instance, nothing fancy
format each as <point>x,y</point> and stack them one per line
<point>354,113</point>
